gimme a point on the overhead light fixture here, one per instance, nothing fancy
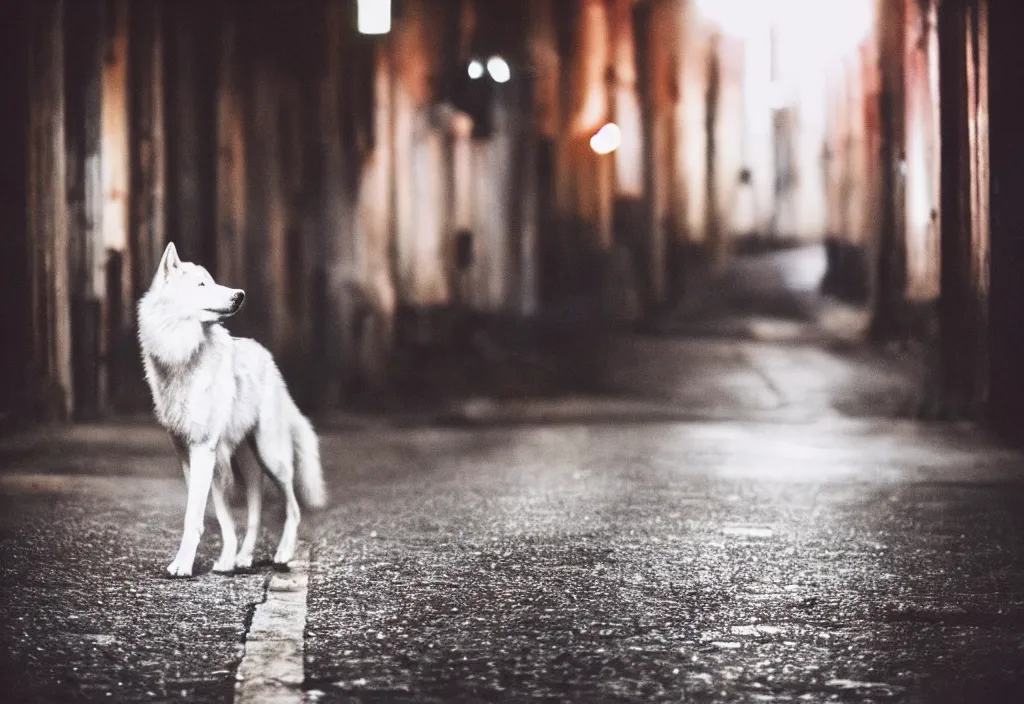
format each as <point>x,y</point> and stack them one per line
<point>607,139</point>
<point>476,69</point>
<point>374,16</point>
<point>499,70</point>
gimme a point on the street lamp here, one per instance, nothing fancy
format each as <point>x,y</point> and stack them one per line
<point>374,16</point>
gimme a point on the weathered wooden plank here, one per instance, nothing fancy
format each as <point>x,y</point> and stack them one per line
<point>652,241</point>
<point>48,214</point>
<point>375,222</point>
<point>16,249</point>
<point>963,298</point>
<point>148,144</point>
<point>83,65</point>
<point>231,156</point>
<point>263,206</point>
<point>1005,97</point>
<point>524,221</point>
<point>891,264</point>
<point>980,193</point>
<point>118,346</point>
<point>190,34</point>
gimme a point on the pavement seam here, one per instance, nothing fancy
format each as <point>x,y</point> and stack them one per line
<point>272,665</point>
<point>780,396</point>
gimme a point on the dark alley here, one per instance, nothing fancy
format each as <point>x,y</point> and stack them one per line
<point>511,350</point>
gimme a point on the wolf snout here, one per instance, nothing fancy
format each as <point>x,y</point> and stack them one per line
<point>236,302</point>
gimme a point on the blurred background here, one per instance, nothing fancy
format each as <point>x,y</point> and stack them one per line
<point>427,198</point>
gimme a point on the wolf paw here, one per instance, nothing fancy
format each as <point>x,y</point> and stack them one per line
<point>243,561</point>
<point>179,568</point>
<point>225,564</point>
<point>284,555</point>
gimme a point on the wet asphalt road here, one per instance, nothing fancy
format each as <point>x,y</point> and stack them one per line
<point>815,559</point>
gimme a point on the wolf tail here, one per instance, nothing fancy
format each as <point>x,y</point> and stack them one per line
<point>307,459</point>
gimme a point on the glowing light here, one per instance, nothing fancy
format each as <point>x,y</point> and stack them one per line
<point>374,16</point>
<point>838,25</point>
<point>607,139</point>
<point>499,70</point>
<point>476,69</point>
<point>738,17</point>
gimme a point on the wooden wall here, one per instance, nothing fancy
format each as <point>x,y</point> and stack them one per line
<point>16,376</point>
<point>291,156</point>
<point>335,177</point>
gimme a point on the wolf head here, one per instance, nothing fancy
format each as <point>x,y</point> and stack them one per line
<point>181,309</point>
<point>190,293</point>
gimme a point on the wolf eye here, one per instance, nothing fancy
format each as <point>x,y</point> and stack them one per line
<point>202,283</point>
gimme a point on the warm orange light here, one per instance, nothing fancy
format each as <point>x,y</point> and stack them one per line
<point>607,139</point>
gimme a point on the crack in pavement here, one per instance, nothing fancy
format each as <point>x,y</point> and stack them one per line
<point>271,670</point>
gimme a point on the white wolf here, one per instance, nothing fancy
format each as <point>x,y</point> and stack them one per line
<point>211,392</point>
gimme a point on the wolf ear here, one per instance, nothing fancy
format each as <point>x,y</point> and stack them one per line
<point>168,262</point>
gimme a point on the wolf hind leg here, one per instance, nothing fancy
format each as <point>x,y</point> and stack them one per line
<point>182,451</point>
<point>253,477</point>
<point>273,446</point>
<point>229,539</point>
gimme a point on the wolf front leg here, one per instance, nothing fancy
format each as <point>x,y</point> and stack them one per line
<point>201,463</point>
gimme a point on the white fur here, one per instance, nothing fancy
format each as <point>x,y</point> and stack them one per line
<point>211,392</point>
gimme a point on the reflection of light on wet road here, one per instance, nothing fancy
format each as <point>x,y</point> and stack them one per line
<point>748,531</point>
<point>796,270</point>
<point>866,689</point>
<point>65,484</point>
<point>804,268</point>
<point>828,451</point>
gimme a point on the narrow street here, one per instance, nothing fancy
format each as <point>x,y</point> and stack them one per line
<point>754,533</point>
<point>658,350</point>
